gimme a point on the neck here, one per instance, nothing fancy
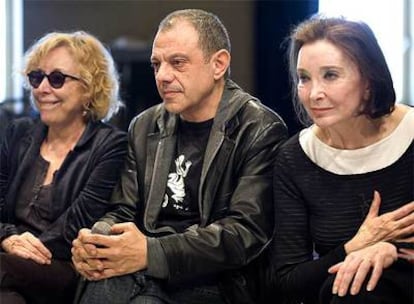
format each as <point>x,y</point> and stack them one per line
<point>207,108</point>
<point>363,132</point>
<point>64,138</point>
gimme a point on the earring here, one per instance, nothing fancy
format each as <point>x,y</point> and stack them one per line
<point>86,110</point>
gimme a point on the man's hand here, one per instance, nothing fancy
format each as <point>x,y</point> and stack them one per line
<point>98,256</point>
<point>353,271</point>
<point>388,226</point>
<point>27,246</point>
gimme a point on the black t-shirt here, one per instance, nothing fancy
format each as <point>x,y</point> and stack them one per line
<point>180,207</point>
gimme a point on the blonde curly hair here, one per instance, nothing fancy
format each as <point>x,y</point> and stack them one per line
<point>96,69</point>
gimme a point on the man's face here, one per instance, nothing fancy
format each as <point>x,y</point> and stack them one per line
<point>184,76</point>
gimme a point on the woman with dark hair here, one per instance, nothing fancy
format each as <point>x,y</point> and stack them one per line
<point>58,172</point>
<point>343,186</point>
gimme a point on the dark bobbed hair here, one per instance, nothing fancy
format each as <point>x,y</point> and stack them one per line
<point>357,41</point>
<point>212,34</point>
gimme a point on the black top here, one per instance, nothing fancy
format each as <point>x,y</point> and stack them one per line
<point>81,188</point>
<point>317,211</point>
<point>180,207</point>
<point>34,200</point>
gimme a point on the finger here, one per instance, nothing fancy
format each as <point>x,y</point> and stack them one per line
<point>34,245</point>
<point>84,232</point>
<point>376,274</point>
<point>334,269</point>
<point>406,240</point>
<point>348,273</point>
<point>360,276</point>
<point>407,254</point>
<point>375,205</point>
<point>123,227</point>
<point>93,265</point>
<point>39,247</point>
<point>84,235</point>
<point>403,211</point>
<point>87,251</point>
<point>96,240</point>
<point>89,275</point>
<point>405,226</point>
<point>340,272</point>
<point>24,253</point>
<point>24,249</point>
<point>77,243</point>
<point>109,273</point>
<point>338,277</point>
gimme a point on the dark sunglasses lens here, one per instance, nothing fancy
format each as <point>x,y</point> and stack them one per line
<point>35,78</point>
<point>56,79</point>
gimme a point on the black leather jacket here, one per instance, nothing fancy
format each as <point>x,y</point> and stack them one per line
<point>82,186</point>
<point>235,194</point>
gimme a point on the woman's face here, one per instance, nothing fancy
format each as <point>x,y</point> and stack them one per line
<point>330,85</point>
<point>60,107</point>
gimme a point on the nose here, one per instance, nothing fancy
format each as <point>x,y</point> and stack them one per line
<point>316,91</point>
<point>164,73</point>
<point>44,85</point>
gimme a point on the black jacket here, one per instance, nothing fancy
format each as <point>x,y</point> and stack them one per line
<point>235,192</point>
<point>82,186</point>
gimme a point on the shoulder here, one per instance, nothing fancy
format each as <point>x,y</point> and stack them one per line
<point>110,130</point>
<point>255,109</point>
<point>22,127</point>
<point>249,112</point>
<point>291,153</point>
<point>147,117</point>
<point>291,146</point>
<point>248,109</point>
<point>104,136</point>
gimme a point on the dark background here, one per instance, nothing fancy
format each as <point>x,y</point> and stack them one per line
<point>257,30</point>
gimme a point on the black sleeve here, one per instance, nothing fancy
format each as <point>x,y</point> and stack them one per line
<point>297,272</point>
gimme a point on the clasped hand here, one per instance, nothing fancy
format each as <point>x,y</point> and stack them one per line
<point>98,257</point>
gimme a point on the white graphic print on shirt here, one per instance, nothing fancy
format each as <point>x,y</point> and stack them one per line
<point>176,184</point>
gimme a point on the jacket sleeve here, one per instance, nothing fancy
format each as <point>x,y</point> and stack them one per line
<point>6,228</point>
<point>125,198</point>
<point>93,200</point>
<point>238,235</point>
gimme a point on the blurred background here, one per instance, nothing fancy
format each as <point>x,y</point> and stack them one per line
<point>257,31</point>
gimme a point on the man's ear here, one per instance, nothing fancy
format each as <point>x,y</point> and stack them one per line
<point>221,62</point>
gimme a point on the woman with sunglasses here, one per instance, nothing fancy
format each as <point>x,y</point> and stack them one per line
<point>57,172</point>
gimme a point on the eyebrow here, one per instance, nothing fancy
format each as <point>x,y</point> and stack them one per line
<point>335,67</point>
<point>174,55</point>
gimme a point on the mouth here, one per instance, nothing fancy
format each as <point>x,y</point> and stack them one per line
<point>167,94</point>
<point>320,110</point>
<point>47,105</point>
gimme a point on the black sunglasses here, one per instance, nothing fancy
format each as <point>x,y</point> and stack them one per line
<point>56,78</point>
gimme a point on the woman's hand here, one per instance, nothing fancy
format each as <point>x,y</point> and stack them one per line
<point>27,246</point>
<point>407,254</point>
<point>392,225</point>
<point>352,272</point>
